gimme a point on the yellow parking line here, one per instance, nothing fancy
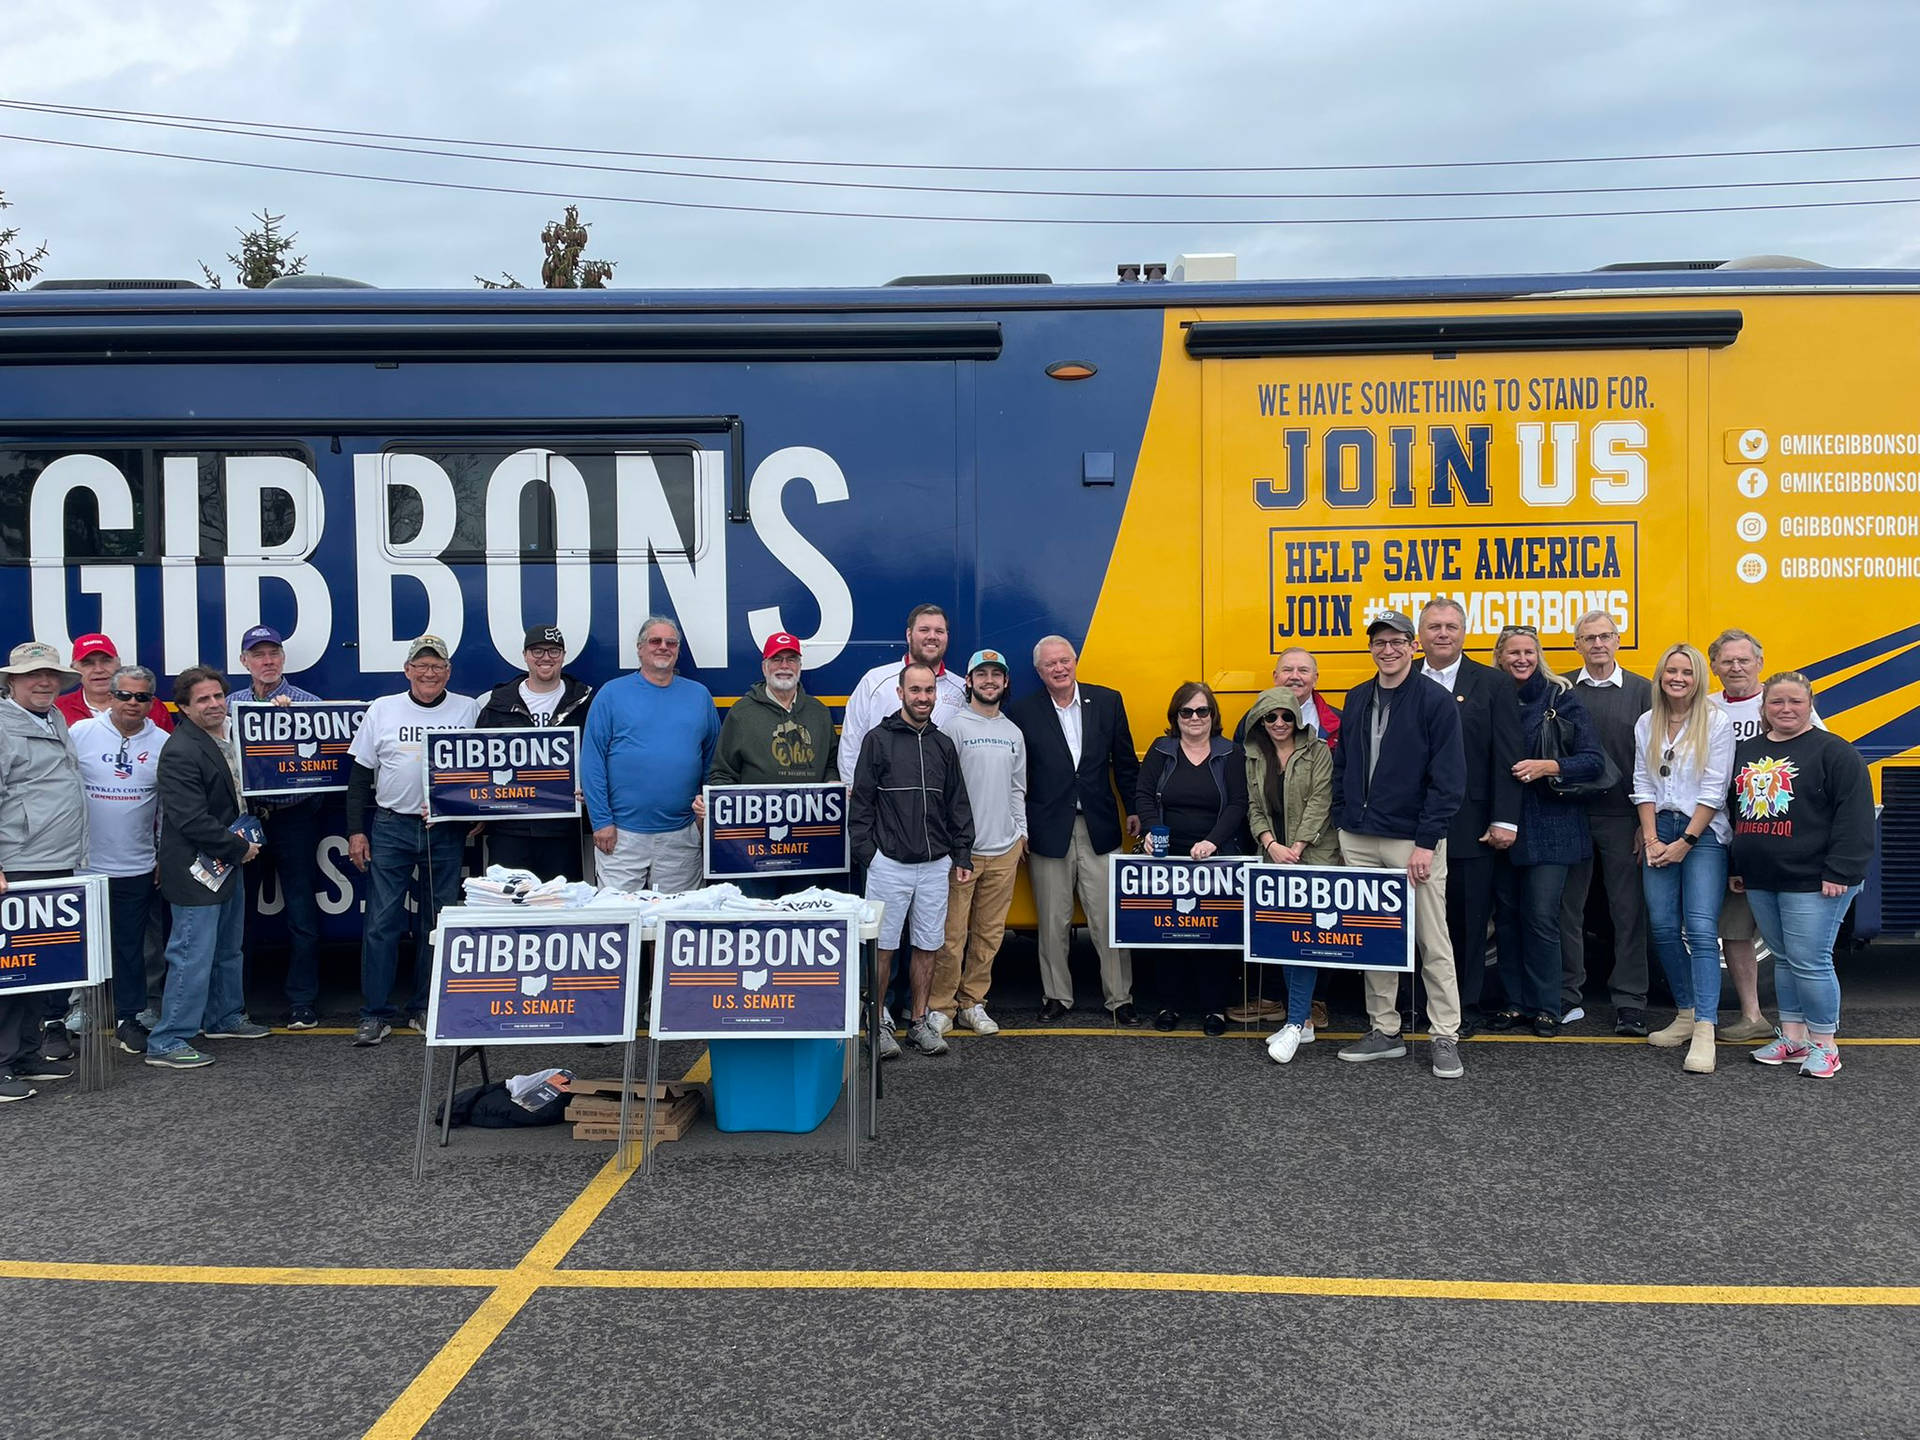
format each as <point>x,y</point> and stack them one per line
<point>1200,1283</point>
<point>1260,1031</point>
<point>512,1288</point>
<point>409,1413</point>
<point>253,1275</point>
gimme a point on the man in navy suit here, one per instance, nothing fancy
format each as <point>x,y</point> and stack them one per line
<point>1489,817</point>
<point>1079,751</point>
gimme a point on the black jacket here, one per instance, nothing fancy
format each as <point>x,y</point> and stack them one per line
<point>503,709</point>
<point>1420,779</point>
<point>1107,763</point>
<point>1491,741</point>
<point>1228,762</point>
<point>197,804</point>
<point>909,800</point>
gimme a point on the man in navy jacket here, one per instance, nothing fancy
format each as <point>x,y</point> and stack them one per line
<point>1398,778</point>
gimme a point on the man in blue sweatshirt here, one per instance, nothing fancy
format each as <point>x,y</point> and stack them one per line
<point>648,745</point>
<point>1398,777</point>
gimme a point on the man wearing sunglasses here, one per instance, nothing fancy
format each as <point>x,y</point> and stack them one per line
<point>293,834</point>
<point>1398,778</point>
<point>1616,698</point>
<point>120,768</point>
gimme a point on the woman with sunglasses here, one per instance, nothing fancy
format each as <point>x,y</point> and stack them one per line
<point>1290,805</point>
<point>1194,782</point>
<point>1530,875</point>
<point>1803,836</point>
<point>1682,758</point>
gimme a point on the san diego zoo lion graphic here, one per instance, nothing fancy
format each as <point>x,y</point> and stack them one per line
<point>1765,788</point>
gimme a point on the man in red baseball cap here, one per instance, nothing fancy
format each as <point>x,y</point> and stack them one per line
<point>96,658</point>
<point>774,734</point>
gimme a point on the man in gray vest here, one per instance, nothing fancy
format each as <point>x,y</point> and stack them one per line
<point>1615,697</point>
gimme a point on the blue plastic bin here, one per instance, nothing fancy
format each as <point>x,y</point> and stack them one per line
<point>775,1084</point>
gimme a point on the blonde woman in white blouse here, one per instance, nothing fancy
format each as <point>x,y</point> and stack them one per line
<point>1682,759</point>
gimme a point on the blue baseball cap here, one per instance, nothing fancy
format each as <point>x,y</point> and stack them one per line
<point>260,635</point>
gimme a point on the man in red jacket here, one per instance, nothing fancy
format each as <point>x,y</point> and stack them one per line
<point>95,657</point>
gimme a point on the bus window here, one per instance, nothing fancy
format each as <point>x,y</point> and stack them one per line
<point>250,504</point>
<point>58,503</point>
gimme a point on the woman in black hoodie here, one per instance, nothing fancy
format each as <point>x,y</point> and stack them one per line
<point>1802,808</point>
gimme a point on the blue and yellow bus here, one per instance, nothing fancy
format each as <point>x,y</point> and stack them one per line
<point>1186,478</point>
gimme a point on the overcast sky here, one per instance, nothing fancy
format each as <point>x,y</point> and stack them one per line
<point>1062,83</point>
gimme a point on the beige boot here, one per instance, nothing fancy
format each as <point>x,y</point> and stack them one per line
<point>1700,1054</point>
<point>1676,1034</point>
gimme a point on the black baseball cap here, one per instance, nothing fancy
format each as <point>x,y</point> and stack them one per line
<point>544,635</point>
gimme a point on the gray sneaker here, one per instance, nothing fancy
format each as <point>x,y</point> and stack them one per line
<point>889,1047</point>
<point>371,1032</point>
<point>1374,1045</point>
<point>927,1040</point>
<point>1445,1054</point>
<point>181,1057</point>
<point>241,1029</point>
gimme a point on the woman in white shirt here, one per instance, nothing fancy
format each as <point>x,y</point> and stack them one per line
<point>1682,758</point>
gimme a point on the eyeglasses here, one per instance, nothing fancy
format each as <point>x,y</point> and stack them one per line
<point>1194,712</point>
<point>1390,642</point>
<point>122,761</point>
<point>143,696</point>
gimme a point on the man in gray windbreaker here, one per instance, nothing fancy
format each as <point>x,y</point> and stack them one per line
<point>43,835</point>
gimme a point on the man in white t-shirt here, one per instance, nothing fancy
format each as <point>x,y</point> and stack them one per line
<point>1736,659</point>
<point>389,839</point>
<point>119,755</point>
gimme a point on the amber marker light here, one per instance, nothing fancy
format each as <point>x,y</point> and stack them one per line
<point>1070,369</point>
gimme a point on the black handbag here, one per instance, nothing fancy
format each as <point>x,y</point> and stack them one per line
<point>1556,742</point>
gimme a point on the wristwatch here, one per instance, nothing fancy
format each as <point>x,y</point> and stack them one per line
<point>1691,839</point>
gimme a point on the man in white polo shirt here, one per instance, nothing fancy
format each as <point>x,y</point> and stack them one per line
<point>119,755</point>
<point>389,839</point>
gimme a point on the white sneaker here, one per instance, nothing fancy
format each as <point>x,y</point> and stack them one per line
<point>1578,1012</point>
<point>1284,1043</point>
<point>889,1047</point>
<point>939,1021</point>
<point>976,1019</point>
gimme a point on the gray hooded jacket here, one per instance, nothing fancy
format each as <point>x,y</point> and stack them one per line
<point>43,804</point>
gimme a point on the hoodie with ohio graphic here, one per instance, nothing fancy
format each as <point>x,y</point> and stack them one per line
<point>1802,812</point>
<point>764,743</point>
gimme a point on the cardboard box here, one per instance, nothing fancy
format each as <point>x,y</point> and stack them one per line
<point>597,1120</point>
<point>610,1085</point>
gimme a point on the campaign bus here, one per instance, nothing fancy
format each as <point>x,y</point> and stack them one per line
<point>1184,478</point>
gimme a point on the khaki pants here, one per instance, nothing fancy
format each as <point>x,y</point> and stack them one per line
<point>1429,932</point>
<point>976,924</point>
<point>1084,869</point>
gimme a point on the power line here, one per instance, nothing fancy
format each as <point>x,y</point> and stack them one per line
<point>1066,220</point>
<point>1002,169</point>
<point>232,128</point>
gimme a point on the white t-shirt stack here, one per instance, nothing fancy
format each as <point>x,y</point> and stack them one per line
<point>393,743</point>
<point>123,805</point>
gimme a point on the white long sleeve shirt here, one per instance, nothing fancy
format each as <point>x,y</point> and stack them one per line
<point>878,696</point>
<point>1685,786</point>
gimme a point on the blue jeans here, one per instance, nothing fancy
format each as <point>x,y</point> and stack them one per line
<point>1301,980</point>
<point>1683,916</point>
<point>400,846</point>
<point>1799,929</point>
<point>1526,926</point>
<point>203,971</point>
<point>292,849</point>
<point>130,899</point>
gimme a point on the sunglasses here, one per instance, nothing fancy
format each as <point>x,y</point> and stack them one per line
<point>1666,762</point>
<point>143,696</point>
<point>1194,712</point>
<point>1276,717</point>
<point>1506,630</point>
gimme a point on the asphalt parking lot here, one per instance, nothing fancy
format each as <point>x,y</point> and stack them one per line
<point>1060,1231</point>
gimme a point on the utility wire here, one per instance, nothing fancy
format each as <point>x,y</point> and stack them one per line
<point>1003,169</point>
<point>224,128</point>
<point>1066,220</point>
